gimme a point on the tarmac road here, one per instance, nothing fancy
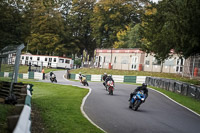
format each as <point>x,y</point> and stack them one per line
<point>157,115</point>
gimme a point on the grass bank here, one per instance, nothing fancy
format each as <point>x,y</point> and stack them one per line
<point>59,106</point>
<point>134,73</point>
<point>5,111</point>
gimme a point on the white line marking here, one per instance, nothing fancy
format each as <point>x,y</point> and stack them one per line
<point>175,102</point>
<point>83,103</point>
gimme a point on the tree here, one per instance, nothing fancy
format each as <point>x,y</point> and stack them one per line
<point>11,24</point>
<point>45,36</point>
<point>80,27</point>
<point>112,16</point>
<point>129,38</point>
<point>174,25</point>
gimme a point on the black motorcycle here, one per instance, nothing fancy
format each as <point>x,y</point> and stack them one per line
<point>84,81</point>
<point>53,78</point>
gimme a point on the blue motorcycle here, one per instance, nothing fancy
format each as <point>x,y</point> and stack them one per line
<point>137,100</point>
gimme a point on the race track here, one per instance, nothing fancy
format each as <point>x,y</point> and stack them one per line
<point>157,115</point>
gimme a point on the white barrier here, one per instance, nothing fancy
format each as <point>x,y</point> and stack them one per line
<point>38,75</point>
<point>77,77</point>
<point>24,123</point>
<point>6,74</point>
<point>95,77</point>
<point>118,78</point>
<point>140,79</point>
<point>25,76</point>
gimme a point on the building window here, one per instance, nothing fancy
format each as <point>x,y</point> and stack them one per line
<point>22,57</point>
<point>31,58</point>
<point>50,59</point>
<point>147,62</point>
<point>45,59</point>
<point>67,61</point>
<point>124,60</point>
<point>156,62</point>
<point>26,57</point>
<point>115,60</point>
<point>38,58</point>
<point>61,60</point>
<point>54,60</point>
<point>104,59</point>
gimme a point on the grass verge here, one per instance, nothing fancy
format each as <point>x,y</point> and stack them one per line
<point>5,111</point>
<point>59,106</point>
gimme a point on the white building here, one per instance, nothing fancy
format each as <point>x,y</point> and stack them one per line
<point>47,61</point>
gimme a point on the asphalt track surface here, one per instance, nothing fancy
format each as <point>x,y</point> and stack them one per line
<point>157,115</point>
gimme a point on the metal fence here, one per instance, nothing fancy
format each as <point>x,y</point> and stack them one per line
<point>175,86</point>
<point>9,64</point>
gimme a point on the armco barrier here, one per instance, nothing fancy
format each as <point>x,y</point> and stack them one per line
<point>140,79</point>
<point>185,87</point>
<point>131,79</point>
<point>178,87</point>
<point>198,93</point>
<point>192,91</point>
<point>171,85</point>
<point>30,75</point>
<point>96,77</point>
<point>175,86</point>
<point>118,78</point>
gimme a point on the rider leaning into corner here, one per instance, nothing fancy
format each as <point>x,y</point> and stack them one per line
<point>104,78</point>
<point>143,87</point>
<point>109,78</point>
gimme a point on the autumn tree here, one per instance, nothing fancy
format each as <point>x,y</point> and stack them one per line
<point>112,16</point>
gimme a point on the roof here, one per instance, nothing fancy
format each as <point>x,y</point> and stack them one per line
<point>135,50</point>
<point>45,56</point>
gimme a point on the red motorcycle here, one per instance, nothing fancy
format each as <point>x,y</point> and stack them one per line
<point>110,86</point>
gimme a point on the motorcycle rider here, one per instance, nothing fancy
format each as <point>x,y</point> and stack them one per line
<point>52,76</point>
<point>104,78</point>
<point>109,78</point>
<point>143,87</point>
<point>80,76</point>
<point>51,73</point>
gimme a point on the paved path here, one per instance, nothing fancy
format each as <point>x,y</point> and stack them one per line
<point>157,115</point>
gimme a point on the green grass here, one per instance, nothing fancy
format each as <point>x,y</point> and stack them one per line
<point>59,106</point>
<point>189,102</point>
<point>134,73</point>
<point>5,111</point>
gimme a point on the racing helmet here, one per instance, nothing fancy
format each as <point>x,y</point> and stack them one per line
<point>144,85</point>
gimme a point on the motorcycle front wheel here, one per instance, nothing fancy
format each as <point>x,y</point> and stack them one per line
<point>136,105</point>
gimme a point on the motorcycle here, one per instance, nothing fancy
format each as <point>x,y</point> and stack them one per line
<point>53,78</point>
<point>84,81</point>
<point>137,100</point>
<point>110,87</point>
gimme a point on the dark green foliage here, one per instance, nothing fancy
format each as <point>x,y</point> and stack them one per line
<point>175,25</point>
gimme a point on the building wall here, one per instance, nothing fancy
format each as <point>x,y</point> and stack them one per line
<point>131,59</point>
<point>120,60</point>
<point>47,61</point>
